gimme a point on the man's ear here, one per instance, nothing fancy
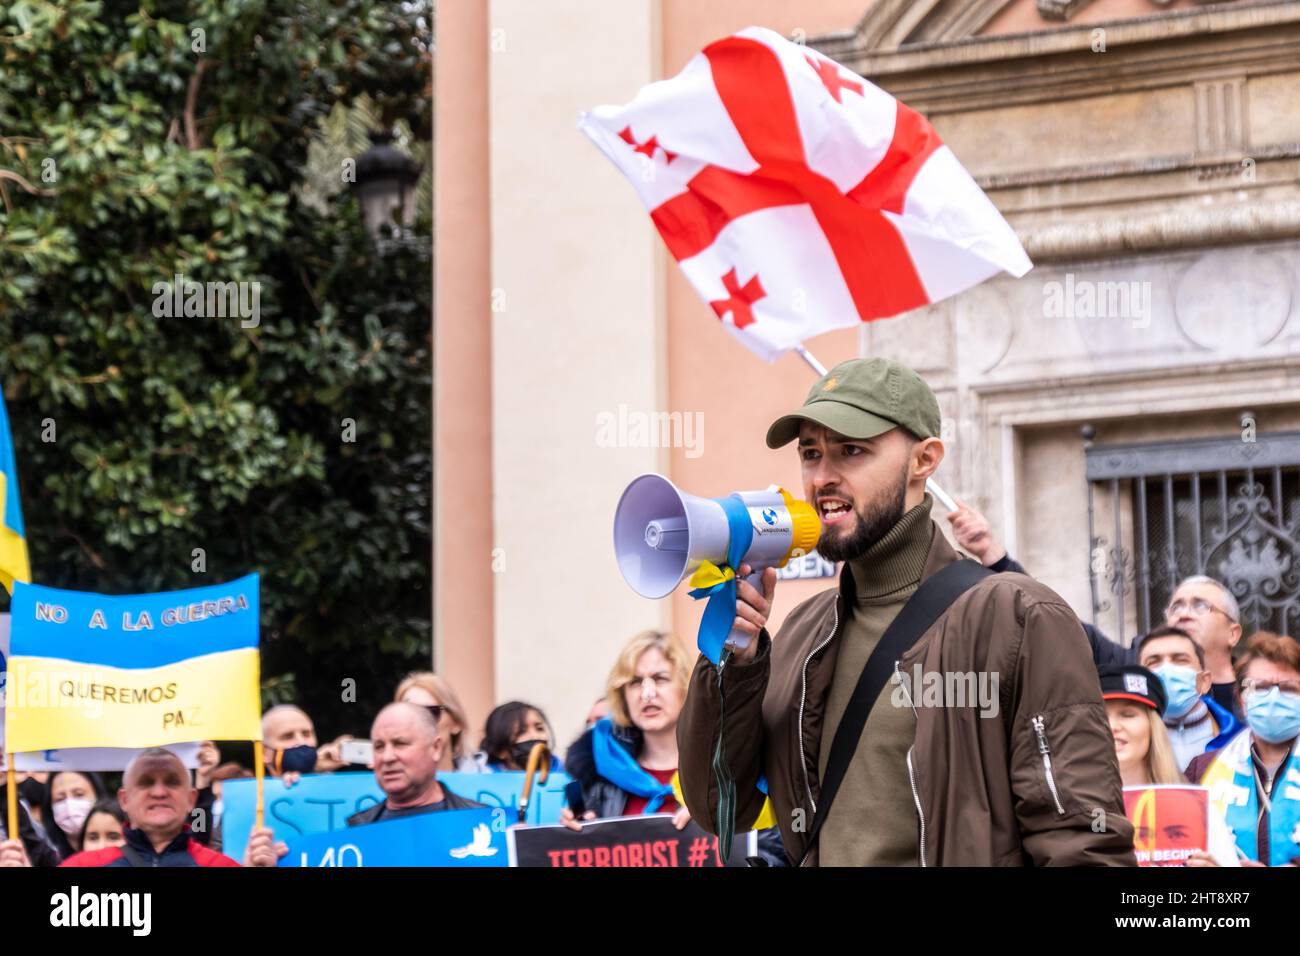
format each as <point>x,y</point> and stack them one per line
<point>927,454</point>
<point>1204,681</point>
<point>1235,631</point>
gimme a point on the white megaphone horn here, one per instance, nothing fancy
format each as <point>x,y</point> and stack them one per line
<point>662,535</point>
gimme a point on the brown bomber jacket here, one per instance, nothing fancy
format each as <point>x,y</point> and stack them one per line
<point>985,794</point>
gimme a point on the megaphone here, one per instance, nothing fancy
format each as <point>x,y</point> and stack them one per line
<point>663,535</point>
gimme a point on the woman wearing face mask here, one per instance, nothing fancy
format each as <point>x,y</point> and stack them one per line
<point>28,847</point>
<point>69,797</point>
<point>104,826</point>
<point>1135,700</point>
<point>1251,775</point>
<point>511,731</point>
<point>32,788</point>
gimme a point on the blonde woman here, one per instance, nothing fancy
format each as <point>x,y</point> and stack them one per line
<point>427,689</point>
<point>626,763</point>
<point>1135,702</point>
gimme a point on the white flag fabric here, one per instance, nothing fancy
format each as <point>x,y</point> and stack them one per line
<point>796,196</point>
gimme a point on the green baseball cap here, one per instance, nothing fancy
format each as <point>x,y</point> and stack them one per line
<point>863,398</point>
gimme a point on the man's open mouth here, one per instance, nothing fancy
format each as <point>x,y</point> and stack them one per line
<point>833,510</point>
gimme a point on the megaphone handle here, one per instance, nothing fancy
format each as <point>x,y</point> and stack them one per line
<point>739,639</point>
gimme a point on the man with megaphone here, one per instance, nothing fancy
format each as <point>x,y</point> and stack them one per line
<point>926,711</point>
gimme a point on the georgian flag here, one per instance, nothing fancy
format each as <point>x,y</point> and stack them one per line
<point>796,196</point>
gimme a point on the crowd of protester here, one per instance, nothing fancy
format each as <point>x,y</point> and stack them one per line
<point>1205,715</point>
<point>1182,707</point>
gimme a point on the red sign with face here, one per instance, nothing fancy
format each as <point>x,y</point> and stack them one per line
<point>1170,823</point>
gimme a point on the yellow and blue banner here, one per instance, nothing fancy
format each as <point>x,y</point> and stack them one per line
<point>13,538</point>
<point>138,670</point>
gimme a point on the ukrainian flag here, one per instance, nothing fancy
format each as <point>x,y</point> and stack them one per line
<point>141,670</point>
<point>13,539</point>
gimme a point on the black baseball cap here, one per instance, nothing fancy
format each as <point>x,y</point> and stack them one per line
<point>1132,682</point>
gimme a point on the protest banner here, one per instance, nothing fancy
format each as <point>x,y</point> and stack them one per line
<point>74,758</point>
<point>14,565</point>
<point>322,802</point>
<point>141,670</point>
<point>442,838</point>
<point>1171,822</point>
<point>649,840</point>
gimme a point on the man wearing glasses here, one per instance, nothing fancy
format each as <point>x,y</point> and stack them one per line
<point>1201,606</point>
<point>1205,609</point>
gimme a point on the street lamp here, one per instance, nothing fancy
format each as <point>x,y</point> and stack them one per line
<point>385,185</point>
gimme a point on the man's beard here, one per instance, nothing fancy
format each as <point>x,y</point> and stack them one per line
<point>874,522</point>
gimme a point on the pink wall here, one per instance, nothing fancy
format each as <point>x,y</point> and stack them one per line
<point>462,449</point>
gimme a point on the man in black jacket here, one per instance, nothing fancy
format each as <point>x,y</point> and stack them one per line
<point>407,751</point>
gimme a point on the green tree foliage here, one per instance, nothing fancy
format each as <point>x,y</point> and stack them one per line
<point>144,138</point>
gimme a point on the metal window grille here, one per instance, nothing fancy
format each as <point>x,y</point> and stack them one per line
<point>1226,508</point>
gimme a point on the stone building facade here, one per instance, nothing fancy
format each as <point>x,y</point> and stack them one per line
<point>1126,413</point>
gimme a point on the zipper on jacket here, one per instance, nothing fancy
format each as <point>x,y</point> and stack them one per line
<point>1046,751</point>
<point>803,697</point>
<point>916,798</point>
<point>911,776</point>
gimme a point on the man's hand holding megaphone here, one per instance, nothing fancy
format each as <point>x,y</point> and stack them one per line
<point>752,610</point>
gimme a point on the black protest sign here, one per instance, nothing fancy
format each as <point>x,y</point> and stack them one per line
<point>644,841</point>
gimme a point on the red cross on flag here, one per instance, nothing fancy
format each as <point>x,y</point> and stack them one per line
<point>796,196</point>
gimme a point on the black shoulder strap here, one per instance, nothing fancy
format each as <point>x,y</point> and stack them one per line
<point>935,595</point>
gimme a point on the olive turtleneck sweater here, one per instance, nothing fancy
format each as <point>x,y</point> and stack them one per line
<point>873,820</point>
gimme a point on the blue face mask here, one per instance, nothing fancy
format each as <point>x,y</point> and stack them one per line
<point>1180,688</point>
<point>301,759</point>
<point>1274,716</point>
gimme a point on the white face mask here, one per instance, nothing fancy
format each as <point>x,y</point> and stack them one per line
<point>71,814</point>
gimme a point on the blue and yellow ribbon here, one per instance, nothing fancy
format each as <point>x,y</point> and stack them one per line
<point>718,584</point>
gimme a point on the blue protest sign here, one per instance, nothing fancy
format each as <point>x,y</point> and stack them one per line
<point>163,626</point>
<point>444,838</point>
<point>322,802</point>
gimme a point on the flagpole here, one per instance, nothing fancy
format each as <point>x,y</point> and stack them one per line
<point>12,795</point>
<point>811,359</point>
<point>259,770</point>
<point>931,485</point>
